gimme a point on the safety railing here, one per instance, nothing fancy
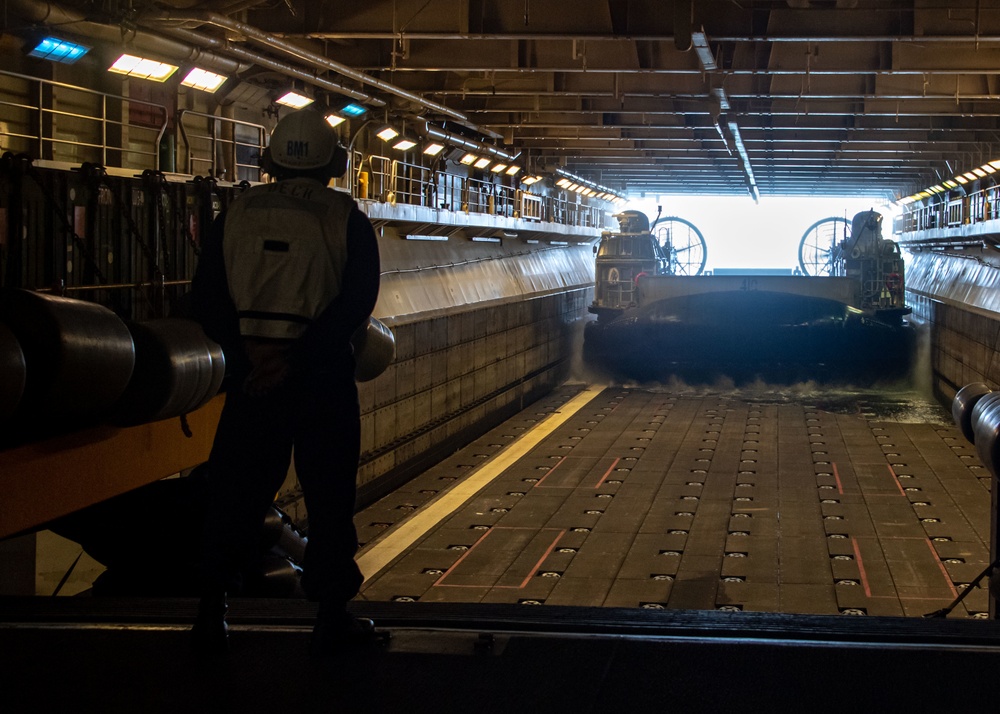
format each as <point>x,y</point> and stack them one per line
<point>63,122</point>
<point>975,207</point>
<point>392,181</point>
<point>219,147</point>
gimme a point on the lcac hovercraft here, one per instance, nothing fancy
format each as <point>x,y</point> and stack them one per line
<point>843,318</point>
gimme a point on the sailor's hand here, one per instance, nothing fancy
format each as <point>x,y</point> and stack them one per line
<point>269,368</point>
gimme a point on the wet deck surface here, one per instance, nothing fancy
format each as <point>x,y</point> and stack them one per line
<point>819,502</point>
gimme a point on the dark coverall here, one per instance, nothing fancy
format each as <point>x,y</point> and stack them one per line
<point>315,409</point>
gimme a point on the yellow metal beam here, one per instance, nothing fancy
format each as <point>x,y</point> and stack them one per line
<point>49,479</point>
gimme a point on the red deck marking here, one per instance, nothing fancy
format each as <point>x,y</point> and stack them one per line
<point>558,463</point>
<point>896,479</point>
<point>836,476</point>
<point>608,472</point>
<point>531,573</point>
<point>464,556</point>
<point>861,567</point>
<point>944,570</point>
<point>546,554</point>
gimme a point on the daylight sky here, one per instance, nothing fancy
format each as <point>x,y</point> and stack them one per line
<point>742,234</point>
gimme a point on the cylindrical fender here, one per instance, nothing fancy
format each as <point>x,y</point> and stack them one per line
<point>963,404</point>
<point>277,577</point>
<point>279,533</point>
<point>78,356</point>
<point>174,371</point>
<point>374,349</point>
<point>986,426</point>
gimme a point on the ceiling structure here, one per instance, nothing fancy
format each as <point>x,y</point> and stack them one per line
<point>766,97</point>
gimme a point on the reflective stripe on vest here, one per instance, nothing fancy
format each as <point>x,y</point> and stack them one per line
<point>285,247</point>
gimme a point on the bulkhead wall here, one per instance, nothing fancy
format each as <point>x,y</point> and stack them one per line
<point>480,333</point>
<point>956,302</point>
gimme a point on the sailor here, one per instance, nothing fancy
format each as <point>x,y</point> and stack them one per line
<point>285,277</point>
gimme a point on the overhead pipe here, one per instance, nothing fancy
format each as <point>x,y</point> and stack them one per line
<point>50,14</point>
<point>288,70</point>
<point>432,132</point>
<point>276,43</point>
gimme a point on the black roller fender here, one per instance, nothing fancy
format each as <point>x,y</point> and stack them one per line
<point>277,577</point>
<point>986,428</point>
<point>78,357</point>
<point>12,368</point>
<point>280,534</point>
<point>175,371</point>
<point>374,349</point>
<point>218,372</point>
<point>963,404</point>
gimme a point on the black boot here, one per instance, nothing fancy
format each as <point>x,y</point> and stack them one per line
<point>210,634</point>
<point>336,631</point>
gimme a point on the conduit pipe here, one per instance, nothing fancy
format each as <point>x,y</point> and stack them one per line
<point>475,147</point>
<point>276,43</point>
<point>50,14</point>
<point>304,75</point>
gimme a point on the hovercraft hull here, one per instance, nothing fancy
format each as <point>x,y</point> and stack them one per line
<point>747,335</point>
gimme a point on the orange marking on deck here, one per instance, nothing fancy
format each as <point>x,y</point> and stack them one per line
<point>836,476</point>
<point>895,478</point>
<point>861,567</point>
<point>608,472</point>
<point>557,465</point>
<point>464,556</point>
<point>944,570</point>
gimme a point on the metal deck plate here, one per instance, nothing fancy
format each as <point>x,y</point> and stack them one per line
<point>809,502</point>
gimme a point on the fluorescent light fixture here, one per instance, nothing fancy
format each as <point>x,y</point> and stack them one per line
<point>335,119</point>
<point>293,99</point>
<point>512,170</point>
<point>532,241</point>
<point>995,164</point>
<point>988,168</point>
<point>563,183</point>
<point>142,68</point>
<point>581,189</point>
<point>969,175</point>
<point>497,168</point>
<point>485,239</point>
<point>482,163</point>
<point>433,149</point>
<point>979,172</point>
<point>353,110</point>
<point>55,49</point>
<point>468,159</point>
<point>420,237</point>
<point>387,133</point>
<point>572,186</point>
<point>528,180</point>
<point>962,179</point>
<point>558,242</point>
<point>404,144</point>
<point>950,184</point>
<point>203,79</point>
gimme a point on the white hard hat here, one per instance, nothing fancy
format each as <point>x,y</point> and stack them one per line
<point>303,140</point>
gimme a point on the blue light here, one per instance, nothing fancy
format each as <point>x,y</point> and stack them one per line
<point>354,110</point>
<point>57,50</point>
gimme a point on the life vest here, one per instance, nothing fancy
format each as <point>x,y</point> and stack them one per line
<point>285,246</point>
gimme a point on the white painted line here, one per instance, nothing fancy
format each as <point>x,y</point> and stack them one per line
<point>393,543</point>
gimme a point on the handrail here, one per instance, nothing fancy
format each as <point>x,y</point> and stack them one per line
<point>46,124</point>
<point>393,181</point>
<point>975,207</point>
<point>217,144</point>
